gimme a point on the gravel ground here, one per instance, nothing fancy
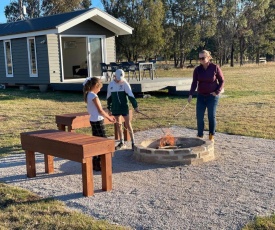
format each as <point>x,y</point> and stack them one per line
<point>222,194</point>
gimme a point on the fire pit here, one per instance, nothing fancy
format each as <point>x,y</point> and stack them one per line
<point>171,150</point>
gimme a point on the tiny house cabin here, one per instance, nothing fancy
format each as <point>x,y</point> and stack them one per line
<point>58,48</point>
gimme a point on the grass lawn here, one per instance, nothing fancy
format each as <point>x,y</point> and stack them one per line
<point>247,108</point>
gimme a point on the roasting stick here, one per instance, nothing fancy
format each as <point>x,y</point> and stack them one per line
<point>151,120</point>
<point>181,110</point>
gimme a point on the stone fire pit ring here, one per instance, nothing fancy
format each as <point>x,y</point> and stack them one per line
<point>190,151</point>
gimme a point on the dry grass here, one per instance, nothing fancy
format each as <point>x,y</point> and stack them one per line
<point>21,209</point>
<point>247,108</point>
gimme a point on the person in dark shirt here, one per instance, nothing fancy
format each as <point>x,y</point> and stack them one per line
<point>209,81</point>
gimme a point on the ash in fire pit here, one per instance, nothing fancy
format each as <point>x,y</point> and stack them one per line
<point>175,150</point>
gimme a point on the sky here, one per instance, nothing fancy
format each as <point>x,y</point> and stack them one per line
<point>3,3</point>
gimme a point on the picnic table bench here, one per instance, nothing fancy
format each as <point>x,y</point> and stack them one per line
<point>71,146</point>
<point>74,121</point>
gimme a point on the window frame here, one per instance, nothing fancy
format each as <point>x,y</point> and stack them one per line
<point>6,61</point>
<point>29,57</point>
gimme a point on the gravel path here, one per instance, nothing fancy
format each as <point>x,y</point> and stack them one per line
<point>222,194</point>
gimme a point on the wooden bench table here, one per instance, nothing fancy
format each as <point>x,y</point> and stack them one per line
<point>82,120</point>
<point>71,146</point>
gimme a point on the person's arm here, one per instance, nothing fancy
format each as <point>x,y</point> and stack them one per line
<point>101,111</point>
<point>220,78</point>
<point>194,84</point>
<point>109,98</point>
<point>131,96</point>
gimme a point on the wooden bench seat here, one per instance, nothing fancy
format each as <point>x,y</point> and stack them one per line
<point>71,146</point>
<point>74,121</point>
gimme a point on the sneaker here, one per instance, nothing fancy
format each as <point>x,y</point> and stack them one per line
<point>211,137</point>
<point>120,146</point>
<point>200,136</point>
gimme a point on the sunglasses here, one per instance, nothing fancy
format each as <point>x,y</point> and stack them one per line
<point>202,58</point>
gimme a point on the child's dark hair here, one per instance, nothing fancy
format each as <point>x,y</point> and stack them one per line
<point>89,84</point>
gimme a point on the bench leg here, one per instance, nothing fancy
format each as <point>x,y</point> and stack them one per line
<point>116,132</point>
<point>87,177</point>
<point>30,163</point>
<point>61,127</point>
<point>106,171</point>
<point>126,134</point>
<point>70,129</point>
<point>49,168</point>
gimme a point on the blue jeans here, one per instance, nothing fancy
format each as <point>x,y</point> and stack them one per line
<point>210,102</point>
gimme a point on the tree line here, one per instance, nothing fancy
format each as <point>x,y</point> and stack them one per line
<point>233,30</point>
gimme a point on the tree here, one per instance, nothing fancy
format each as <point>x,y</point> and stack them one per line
<point>256,23</point>
<point>146,18</point>
<point>38,8</point>
<point>192,22</point>
<point>225,33</point>
<point>51,7</point>
<point>269,28</point>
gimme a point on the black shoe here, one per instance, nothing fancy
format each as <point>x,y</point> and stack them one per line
<point>120,146</point>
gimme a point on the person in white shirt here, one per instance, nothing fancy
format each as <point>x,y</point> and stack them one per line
<point>91,87</point>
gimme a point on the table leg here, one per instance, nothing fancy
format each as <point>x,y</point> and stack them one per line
<point>106,171</point>
<point>87,177</point>
<point>49,167</point>
<point>30,163</point>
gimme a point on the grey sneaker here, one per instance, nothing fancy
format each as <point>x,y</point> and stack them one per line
<point>121,146</point>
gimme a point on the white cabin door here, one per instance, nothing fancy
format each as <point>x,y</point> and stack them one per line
<point>96,55</point>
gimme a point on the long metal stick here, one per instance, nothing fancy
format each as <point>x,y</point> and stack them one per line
<point>151,120</point>
<point>181,110</point>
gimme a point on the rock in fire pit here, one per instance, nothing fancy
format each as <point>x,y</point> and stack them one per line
<point>179,151</point>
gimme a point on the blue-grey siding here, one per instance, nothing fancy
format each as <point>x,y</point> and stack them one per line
<point>2,63</point>
<point>20,62</point>
<point>42,61</point>
<point>88,27</point>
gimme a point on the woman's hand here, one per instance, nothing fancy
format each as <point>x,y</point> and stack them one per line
<point>189,98</point>
<point>214,94</point>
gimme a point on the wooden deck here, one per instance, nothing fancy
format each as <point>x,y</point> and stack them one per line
<point>146,85</point>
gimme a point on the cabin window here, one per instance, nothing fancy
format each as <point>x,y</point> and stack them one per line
<point>32,57</point>
<point>8,58</point>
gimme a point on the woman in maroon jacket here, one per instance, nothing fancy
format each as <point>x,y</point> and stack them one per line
<point>209,81</point>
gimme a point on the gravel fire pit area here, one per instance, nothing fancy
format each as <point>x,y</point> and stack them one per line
<point>224,193</point>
